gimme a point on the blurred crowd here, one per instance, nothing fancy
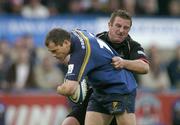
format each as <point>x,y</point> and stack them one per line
<point>47,8</point>
<point>25,66</point>
<point>164,73</point>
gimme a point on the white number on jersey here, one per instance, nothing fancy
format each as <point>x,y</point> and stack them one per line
<point>102,44</point>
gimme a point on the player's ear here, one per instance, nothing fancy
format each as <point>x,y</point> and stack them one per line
<point>109,24</point>
<point>67,42</point>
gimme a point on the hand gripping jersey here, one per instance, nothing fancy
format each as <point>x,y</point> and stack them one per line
<point>92,57</point>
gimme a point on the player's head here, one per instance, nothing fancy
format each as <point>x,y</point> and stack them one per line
<point>119,25</point>
<point>57,36</point>
<point>122,14</point>
<point>58,43</point>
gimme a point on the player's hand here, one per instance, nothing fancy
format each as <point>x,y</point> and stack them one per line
<point>118,62</point>
<point>67,88</point>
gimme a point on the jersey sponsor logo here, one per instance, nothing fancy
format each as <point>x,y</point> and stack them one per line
<point>70,68</point>
<point>141,52</point>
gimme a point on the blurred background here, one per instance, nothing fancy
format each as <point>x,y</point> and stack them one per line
<point>29,74</point>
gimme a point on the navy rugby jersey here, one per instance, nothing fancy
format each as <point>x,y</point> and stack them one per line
<point>92,57</point>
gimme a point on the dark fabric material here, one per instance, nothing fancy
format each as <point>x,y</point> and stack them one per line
<point>79,110</point>
<point>112,104</point>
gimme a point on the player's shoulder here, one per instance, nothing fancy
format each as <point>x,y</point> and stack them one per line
<point>102,34</point>
<point>77,34</point>
<point>132,42</point>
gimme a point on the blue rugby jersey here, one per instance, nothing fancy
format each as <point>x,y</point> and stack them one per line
<point>92,57</point>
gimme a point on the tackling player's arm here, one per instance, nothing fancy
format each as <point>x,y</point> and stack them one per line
<point>138,65</point>
<point>137,62</point>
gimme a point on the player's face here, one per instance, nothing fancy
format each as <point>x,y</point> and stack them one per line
<point>59,51</point>
<point>119,29</point>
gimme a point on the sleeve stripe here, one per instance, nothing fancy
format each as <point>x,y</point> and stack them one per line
<point>87,54</point>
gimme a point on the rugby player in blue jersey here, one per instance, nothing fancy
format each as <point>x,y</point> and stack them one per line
<point>119,27</point>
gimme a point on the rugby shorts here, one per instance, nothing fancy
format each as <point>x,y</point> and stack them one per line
<point>112,104</point>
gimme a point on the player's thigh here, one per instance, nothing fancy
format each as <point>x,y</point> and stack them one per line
<point>126,119</point>
<point>70,121</point>
<point>96,118</point>
<point>79,110</point>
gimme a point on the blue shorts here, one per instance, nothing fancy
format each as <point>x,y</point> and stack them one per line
<point>112,104</point>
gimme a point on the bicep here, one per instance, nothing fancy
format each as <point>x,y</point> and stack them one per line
<point>137,53</point>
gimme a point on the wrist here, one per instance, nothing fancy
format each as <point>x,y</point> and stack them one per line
<point>125,62</point>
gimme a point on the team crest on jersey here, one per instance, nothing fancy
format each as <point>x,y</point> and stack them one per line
<point>70,68</point>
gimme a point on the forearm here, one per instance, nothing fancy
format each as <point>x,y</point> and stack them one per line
<point>68,88</point>
<point>138,66</point>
